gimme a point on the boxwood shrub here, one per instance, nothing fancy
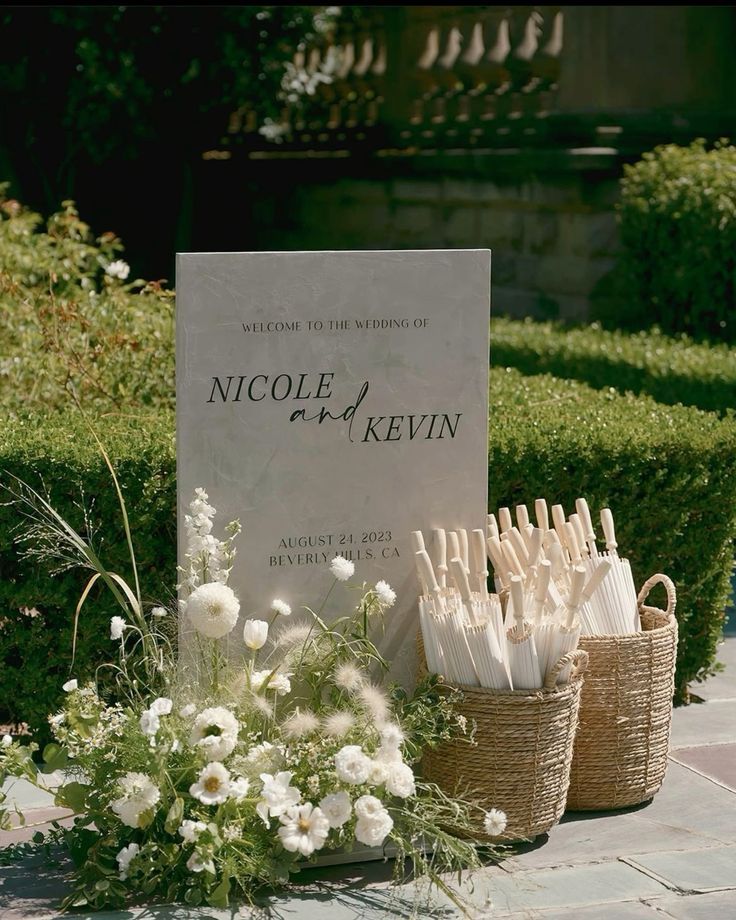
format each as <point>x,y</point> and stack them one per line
<point>678,235</point>
<point>669,473</point>
<point>671,369</point>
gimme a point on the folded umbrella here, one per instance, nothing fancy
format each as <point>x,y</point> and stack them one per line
<point>522,651</point>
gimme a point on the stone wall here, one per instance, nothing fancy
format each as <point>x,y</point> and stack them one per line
<point>553,236</point>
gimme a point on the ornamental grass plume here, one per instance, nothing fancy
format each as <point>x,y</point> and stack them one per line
<point>338,724</point>
<point>299,724</point>
<point>349,677</point>
<point>375,702</point>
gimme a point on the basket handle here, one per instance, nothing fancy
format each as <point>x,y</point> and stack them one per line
<point>579,661</point>
<point>669,587</point>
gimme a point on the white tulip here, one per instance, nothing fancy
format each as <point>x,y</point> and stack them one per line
<point>255,633</point>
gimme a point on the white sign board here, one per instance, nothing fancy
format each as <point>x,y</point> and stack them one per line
<point>334,402</point>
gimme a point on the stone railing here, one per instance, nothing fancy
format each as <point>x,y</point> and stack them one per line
<point>432,76</point>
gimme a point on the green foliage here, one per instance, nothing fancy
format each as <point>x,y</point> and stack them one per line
<point>667,472</point>
<point>104,84</point>
<point>670,369</point>
<point>59,456</point>
<point>66,322</point>
<point>678,230</point>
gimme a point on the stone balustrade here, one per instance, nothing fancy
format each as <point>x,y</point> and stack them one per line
<point>420,76</point>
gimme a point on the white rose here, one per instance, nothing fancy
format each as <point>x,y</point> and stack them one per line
<point>337,808</point>
<point>352,765</point>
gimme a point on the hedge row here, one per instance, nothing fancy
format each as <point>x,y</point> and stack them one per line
<point>670,369</point>
<point>36,609</point>
<point>669,473</point>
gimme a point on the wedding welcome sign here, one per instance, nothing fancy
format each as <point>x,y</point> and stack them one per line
<point>333,402</point>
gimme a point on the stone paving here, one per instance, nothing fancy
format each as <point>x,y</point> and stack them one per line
<point>672,859</point>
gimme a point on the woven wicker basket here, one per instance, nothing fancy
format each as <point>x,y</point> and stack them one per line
<point>521,762</point>
<point>621,746</point>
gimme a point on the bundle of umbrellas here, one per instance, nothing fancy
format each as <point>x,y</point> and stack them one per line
<point>609,604</point>
<point>552,586</point>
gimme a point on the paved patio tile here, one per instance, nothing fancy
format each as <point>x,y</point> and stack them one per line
<point>716,761</point>
<point>719,905</point>
<point>703,723</point>
<point>573,887</point>
<point>694,871</point>
<point>723,685</point>
<point>626,910</point>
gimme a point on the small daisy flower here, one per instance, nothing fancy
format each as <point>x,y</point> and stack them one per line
<point>213,785</point>
<point>342,568</point>
<point>117,628</point>
<point>494,822</point>
<point>280,607</point>
<point>385,594</point>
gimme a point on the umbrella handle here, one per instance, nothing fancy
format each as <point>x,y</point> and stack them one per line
<point>540,512</point>
<point>504,520</point>
<point>579,661</point>
<point>439,541</point>
<point>669,587</point>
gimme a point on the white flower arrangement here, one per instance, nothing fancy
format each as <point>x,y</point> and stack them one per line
<point>208,784</point>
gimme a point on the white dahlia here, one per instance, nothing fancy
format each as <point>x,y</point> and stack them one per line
<point>213,609</point>
<point>215,731</point>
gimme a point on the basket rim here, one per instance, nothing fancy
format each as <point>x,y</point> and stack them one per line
<point>669,626</point>
<point>572,685</point>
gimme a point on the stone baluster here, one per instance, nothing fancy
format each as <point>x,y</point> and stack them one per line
<point>547,59</point>
<point>378,77</point>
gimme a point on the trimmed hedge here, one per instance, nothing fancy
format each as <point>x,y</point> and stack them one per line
<point>59,455</point>
<point>678,241</point>
<point>670,369</point>
<point>669,473</point>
